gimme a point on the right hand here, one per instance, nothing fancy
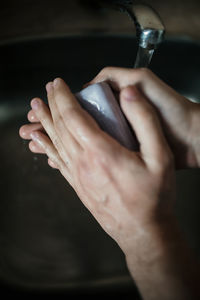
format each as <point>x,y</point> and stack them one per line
<point>179,116</point>
<point>129,193</point>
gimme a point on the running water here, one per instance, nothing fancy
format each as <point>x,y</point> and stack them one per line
<point>143,58</point>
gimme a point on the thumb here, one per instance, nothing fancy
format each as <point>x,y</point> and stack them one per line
<point>145,123</point>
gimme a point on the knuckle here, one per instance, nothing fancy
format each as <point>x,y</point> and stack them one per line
<point>58,79</point>
<point>144,72</point>
<point>106,70</point>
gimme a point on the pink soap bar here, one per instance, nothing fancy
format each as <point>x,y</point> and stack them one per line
<point>99,101</point>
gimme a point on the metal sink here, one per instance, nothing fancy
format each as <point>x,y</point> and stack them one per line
<point>49,242</point>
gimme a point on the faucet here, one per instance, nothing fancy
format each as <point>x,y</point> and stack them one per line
<point>149,28</point>
<point>149,31</point>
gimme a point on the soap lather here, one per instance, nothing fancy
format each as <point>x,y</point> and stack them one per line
<point>99,101</point>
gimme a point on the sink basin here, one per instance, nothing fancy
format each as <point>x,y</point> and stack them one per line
<point>49,242</point>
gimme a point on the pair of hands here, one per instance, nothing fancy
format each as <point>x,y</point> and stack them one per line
<point>127,192</point>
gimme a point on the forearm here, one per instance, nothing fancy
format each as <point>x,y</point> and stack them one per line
<point>162,265</point>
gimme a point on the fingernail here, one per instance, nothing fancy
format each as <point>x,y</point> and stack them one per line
<point>49,86</point>
<point>22,132</point>
<point>33,147</point>
<point>56,81</point>
<point>32,117</point>
<point>130,94</point>
<point>35,103</point>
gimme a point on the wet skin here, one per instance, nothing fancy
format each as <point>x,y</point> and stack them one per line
<point>130,194</point>
<point>179,117</point>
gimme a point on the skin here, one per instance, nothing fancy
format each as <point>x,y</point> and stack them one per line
<point>179,117</point>
<point>130,194</point>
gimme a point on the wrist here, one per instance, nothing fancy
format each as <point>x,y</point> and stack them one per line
<point>156,250</point>
<point>161,263</point>
<point>151,239</point>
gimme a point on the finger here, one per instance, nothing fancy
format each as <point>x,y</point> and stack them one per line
<point>79,123</point>
<point>45,143</point>
<point>52,164</point>
<point>32,117</point>
<point>144,121</point>
<point>117,78</point>
<point>44,116</point>
<point>152,86</point>
<point>36,148</point>
<point>56,95</point>
<point>26,130</point>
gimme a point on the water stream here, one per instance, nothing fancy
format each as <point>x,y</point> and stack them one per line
<point>143,57</point>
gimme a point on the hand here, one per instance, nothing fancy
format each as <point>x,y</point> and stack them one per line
<point>179,116</point>
<point>122,189</point>
<point>130,194</point>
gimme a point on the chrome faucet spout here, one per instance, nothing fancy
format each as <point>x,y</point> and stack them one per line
<point>149,27</point>
<point>149,31</point>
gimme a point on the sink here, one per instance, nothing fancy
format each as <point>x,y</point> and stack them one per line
<point>49,242</point>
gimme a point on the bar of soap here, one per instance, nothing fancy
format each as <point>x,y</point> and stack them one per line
<point>99,101</point>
